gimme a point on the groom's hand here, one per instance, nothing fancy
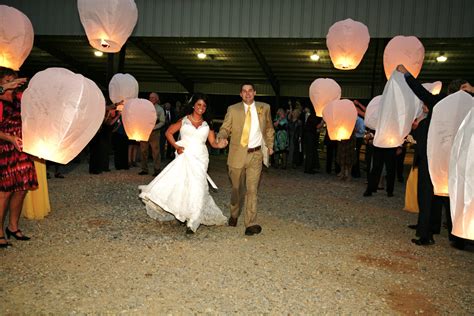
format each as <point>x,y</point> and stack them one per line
<point>270,151</point>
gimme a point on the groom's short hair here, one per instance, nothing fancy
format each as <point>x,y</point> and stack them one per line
<point>247,83</point>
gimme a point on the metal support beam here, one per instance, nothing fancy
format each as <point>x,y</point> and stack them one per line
<point>160,60</point>
<point>97,77</point>
<point>265,67</point>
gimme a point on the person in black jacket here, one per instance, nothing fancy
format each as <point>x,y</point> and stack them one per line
<point>429,217</point>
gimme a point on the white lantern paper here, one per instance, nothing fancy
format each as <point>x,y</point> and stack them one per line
<point>372,112</point>
<point>447,116</point>
<point>139,117</point>
<point>398,108</point>
<point>16,37</point>
<point>347,42</point>
<point>461,179</point>
<point>108,23</point>
<point>340,117</point>
<point>61,112</point>
<point>434,88</point>
<point>321,92</point>
<point>123,87</point>
<point>407,51</point>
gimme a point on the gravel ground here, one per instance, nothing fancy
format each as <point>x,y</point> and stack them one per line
<point>324,249</point>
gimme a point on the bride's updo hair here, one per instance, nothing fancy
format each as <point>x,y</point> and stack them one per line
<point>190,107</point>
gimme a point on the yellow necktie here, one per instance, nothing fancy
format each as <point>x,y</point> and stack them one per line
<point>244,140</point>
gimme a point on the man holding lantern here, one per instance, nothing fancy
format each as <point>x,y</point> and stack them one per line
<point>429,217</point>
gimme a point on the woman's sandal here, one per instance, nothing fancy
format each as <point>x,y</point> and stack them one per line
<point>5,245</point>
<point>15,234</point>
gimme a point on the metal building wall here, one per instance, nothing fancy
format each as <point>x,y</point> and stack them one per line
<point>267,18</point>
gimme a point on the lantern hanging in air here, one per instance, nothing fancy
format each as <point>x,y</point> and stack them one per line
<point>347,42</point>
<point>447,116</point>
<point>434,88</point>
<point>61,112</point>
<point>340,117</point>
<point>139,117</point>
<point>398,109</point>
<point>123,87</point>
<point>108,24</point>
<point>321,92</point>
<point>372,112</point>
<point>461,179</point>
<point>16,37</point>
<point>407,51</point>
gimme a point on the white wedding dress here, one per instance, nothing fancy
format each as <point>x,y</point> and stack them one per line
<point>181,190</point>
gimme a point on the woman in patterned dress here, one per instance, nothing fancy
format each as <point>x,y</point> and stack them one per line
<point>17,171</point>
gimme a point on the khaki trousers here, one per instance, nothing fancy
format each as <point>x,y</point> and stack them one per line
<point>244,188</point>
<point>154,143</point>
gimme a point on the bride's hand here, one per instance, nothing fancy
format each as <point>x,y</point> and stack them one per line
<point>180,150</point>
<point>223,143</point>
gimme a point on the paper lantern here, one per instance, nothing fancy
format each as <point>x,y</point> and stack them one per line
<point>407,51</point>
<point>447,116</point>
<point>372,112</point>
<point>16,37</point>
<point>398,109</point>
<point>433,87</point>
<point>461,179</point>
<point>321,92</point>
<point>123,87</point>
<point>139,117</point>
<point>108,24</point>
<point>61,112</point>
<point>340,117</point>
<point>347,42</point>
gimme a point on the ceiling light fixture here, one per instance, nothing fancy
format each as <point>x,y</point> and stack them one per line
<point>314,56</point>
<point>98,53</point>
<point>441,58</point>
<point>201,55</point>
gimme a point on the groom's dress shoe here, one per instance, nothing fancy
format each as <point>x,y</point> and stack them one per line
<point>413,226</point>
<point>423,242</point>
<point>252,230</point>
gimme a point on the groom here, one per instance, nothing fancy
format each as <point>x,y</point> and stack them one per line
<point>249,124</point>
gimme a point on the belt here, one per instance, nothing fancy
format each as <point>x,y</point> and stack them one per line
<point>251,150</point>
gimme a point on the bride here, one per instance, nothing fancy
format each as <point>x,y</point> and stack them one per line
<point>181,190</point>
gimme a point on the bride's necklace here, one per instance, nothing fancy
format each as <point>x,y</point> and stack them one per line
<point>195,121</point>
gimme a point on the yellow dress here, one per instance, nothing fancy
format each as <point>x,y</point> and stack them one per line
<point>36,204</point>
<point>411,192</point>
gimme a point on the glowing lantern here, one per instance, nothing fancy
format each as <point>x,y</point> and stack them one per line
<point>61,112</point>
<point>448,115</point>
<point>407,51</point>
<point>139,117</point>
<point>396,114</point>
<point>347,42</point>
<point>321,92</point>
<point>434,88</point>
<point>108,24</point>
<point>123,87</point>
<point>372,112</point>
<point>16,37</point>
<point>461,179</point>
<point>340,117</point>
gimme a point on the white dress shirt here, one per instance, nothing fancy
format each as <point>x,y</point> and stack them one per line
<point>255,134</point>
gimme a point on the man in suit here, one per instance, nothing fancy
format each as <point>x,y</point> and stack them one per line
<point>249,124</point>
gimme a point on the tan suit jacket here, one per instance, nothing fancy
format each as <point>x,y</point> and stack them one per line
<point>233,125</point>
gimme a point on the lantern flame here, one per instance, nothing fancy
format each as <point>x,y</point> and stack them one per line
<point>104,43</point>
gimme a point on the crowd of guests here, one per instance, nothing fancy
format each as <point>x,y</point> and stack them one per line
<point>297,144</point>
